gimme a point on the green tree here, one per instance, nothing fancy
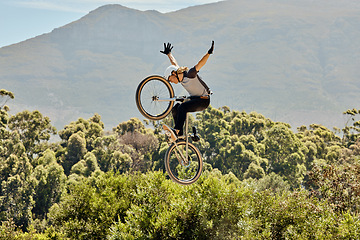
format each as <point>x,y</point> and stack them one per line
<point>91,129</point>
<point>5,96</point>
<point>34,130</point>
<point>50,183</point>
<point>79,138</point>
<point>274,183</point>
<point>112,155</point>
<point>254,171</point>
<point>17,191</point>
<point>285,154</point>
<point>231,141</point>
<point>320,143</point>
<point>76,150</point>
<point>87,166</point>
<point>351,133</point>
<point>133,125</point>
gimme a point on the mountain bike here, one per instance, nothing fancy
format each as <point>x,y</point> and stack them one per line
<point>155,99</point>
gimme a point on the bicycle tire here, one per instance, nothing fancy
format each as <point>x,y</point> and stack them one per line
<point>151,88</point>
<point>179,173</point>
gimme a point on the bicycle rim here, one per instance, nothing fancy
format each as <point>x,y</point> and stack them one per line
<point>147,93</point>
<point>180,171</point>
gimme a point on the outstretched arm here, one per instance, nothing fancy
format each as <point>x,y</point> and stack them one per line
<point>172,60</point>
<point>167,52</point>
<point>204,59</point>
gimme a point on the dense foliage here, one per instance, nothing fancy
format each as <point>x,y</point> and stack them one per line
<point>261,180</point>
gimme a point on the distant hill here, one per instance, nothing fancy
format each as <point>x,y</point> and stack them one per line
<point>293,61</point>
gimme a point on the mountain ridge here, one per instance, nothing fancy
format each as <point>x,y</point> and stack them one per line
<point>291,62</point>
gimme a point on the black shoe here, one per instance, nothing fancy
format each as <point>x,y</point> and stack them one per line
<point>180,133</point>
<point>177,132</point>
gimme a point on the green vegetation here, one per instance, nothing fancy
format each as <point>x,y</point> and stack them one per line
<point>261,180</point>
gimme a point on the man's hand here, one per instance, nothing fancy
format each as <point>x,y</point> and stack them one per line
<point>167,49</point>
<point>211,50</point>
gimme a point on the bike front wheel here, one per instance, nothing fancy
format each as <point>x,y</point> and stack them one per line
<point>153,97</point>
<point>180,169</point>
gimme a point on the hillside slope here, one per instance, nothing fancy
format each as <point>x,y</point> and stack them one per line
<point>291,61</point>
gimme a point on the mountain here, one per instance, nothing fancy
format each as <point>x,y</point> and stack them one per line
<point>293,61</point>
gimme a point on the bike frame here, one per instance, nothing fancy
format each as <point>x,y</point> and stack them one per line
<point>168,99</point>
<point>185,159</point>
<point>186,137</point>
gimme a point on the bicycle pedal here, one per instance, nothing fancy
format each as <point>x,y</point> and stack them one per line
<point>195,137</point>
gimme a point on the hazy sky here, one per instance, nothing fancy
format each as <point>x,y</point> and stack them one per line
<point>24,19</point>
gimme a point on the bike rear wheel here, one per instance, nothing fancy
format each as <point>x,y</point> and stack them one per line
<point>180,171</point>
<point>149,92</point>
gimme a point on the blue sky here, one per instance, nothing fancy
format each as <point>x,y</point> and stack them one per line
<point>24,19</point>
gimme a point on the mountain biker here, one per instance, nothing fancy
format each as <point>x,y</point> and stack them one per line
<point>199,92</point>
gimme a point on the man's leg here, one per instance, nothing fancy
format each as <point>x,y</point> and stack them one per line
<point>174,112</point>
<point>194,105</point>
